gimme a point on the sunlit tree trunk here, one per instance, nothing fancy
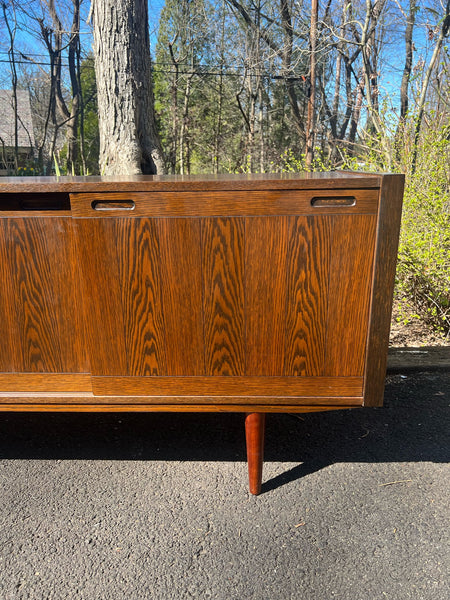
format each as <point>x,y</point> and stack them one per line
<point>128,137</point>
<point>310,122</point>
<point>444,31</point>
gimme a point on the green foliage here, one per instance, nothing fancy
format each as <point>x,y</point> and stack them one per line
<point>91,134</point>
<point>87,164</point>
<point>57,168</point>
<point>423,273</point>
<point>295,163</point>
<point>423,269</point>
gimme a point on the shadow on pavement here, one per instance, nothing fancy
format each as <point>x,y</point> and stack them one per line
<point>413,425</point>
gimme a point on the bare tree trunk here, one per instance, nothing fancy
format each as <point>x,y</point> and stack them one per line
<point>81,110</point>
<point>218,124</point>
<point>373,13</point>
<point>356,114</point>
<point>220,99</point>
<point>404,99</point>
<point>286,59</point>
<point>56,48</point>
<point>184,149</point>
<point>310,122</point>
<point>53,39</point>
<point>409,59</point>
<point>128,137</point>
<point>337,95</point>
<point>14,79</point>
<point>251,122</point>
<point>173,153</point>
<point>74,51</point>
<point>261,128</point>
<point>423,93</point>
<point>350,100</point>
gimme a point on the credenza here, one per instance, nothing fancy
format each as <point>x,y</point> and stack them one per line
<point>247,293</point>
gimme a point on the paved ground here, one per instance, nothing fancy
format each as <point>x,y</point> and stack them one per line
<point>355,504</point>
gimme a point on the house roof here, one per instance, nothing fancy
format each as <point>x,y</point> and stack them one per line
<point>25,123</point>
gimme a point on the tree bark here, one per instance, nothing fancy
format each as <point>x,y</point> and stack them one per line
<point>404,98</point>
<point>408,60</point>
<point>310,123</point>
<point>128,139</point>
<point>72,125</point>
<point>445,29</point>
<point>286,59</point>
<point>14,81</point>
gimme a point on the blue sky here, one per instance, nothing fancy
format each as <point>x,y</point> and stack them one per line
<point>393,53</point>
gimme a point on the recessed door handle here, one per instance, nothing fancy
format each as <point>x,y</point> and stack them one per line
<point>113,205</point>
<point>328,201</point>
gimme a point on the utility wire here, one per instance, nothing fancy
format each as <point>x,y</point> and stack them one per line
<point>216,69</point>
<point>200,72</point>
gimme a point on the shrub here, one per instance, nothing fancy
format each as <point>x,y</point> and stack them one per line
<point>423,273</point>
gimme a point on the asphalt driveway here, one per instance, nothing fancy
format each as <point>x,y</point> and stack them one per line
<point>136,506</point>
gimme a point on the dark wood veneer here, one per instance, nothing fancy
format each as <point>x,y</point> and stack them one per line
<point>248,293</point>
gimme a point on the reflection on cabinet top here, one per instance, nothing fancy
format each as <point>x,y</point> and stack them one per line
<point>138,183</point>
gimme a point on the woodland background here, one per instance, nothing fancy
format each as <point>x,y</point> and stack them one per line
<point>266,86</point>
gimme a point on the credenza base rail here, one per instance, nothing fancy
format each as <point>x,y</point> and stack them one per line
<point>109,407</point>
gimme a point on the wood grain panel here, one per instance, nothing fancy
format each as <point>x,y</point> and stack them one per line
<point>140,283</point>
<point>225,203</point>
<point>31,291</point>
<point>97,247</point>
<point>10,348</point>
<point>48,382</point>
<point>223,264</point>
<point>308,277</point>
<point>228,386</point>
<point>8,214</point>
<point>67,294</point>
<point>43,283</point>
<point>266,245</point>
<point>391,195</point>
<point>349,292</point>
<point>181,274</point>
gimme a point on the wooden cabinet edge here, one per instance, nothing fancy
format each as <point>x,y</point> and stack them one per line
<point>388,228</point>
<point>142,183</point>
<point>50,399</point>
<point>33,383</point>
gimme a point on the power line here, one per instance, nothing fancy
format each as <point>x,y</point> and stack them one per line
<point>200,72</point>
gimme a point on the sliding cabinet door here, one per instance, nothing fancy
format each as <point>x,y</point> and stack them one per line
<point>41,325</point>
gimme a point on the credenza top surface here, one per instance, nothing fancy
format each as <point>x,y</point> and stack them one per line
<point>167,183</point>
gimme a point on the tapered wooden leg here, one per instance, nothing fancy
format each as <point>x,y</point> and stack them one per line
<point>254,434</point>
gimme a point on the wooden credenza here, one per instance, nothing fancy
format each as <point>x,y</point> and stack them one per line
<point>258,293</point>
